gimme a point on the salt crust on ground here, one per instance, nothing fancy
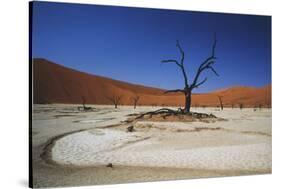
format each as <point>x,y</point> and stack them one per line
<point>103,146</point>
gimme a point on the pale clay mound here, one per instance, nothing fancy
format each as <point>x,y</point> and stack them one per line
<point>100,147</point>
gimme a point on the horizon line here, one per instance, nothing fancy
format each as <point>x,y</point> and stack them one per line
<point>139,84</point>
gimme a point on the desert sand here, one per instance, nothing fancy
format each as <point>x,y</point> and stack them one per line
<point>72,148</point>
<point>54,83</point>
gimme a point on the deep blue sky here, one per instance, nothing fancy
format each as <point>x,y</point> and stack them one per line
<point>129,43</point>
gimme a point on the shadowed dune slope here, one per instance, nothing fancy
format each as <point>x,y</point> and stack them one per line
<point>53,83</point>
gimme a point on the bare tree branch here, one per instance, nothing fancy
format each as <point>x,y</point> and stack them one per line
<point>181,51</point>
<point>210,63</point>
<point>171,61</point>
<point>118,99</point>
<point>181,65</point>
<point>184,76</point>
<point>207,64</point>
<point>196,86</point>
<point>115,100</point>
<point>214,45</point>
<point>214,71</point>
<point>135,100</point>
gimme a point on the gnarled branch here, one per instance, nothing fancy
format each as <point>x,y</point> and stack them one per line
<point>206,64</point>
<point>181,51</point>
<point>214,45</point>
<point>181,65</point>
<point>210,67</point>
<point>196,86</point>
<point>171,61</point>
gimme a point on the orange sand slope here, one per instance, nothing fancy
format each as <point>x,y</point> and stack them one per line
<point>53,83</point>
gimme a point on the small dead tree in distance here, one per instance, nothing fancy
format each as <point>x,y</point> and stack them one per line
<point>83,102</point>
<point>241,106</point>
<point>84,107</point>
<point>135,100</point>
<point>220,100</point>
<point>115,100</point>
<point>206,64</point>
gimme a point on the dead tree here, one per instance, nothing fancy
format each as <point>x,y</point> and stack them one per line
<point>241,106</point>
<point>84,107</point>
<point>221,104</point>
<point>115,100</point>
<point>205,65</point>
<point>135,100</point>
<point>83,102</point>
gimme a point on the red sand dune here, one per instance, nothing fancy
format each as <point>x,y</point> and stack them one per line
<point>54,83</point>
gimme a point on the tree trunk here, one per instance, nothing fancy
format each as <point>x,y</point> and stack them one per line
<point>115,106</point>
<point>221,104</point>
<point>187,102</point>
<point>135,106</point>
